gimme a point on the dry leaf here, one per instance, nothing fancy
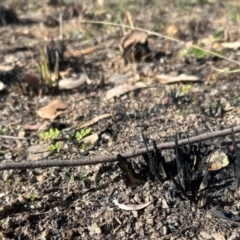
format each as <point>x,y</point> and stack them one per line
<point>134,46</point>
<point>172,31</point>
<point>94,229</point>
<point>71,83</point>
<point>216,160</point>
<point>21,134</point>
<point>134,78</point>
<point>164,204</point>
<point>78,53</point>
<point>231,45</point>
<point>6,68</point>
<point>205,235</point>
<point>122,89</point>
<point>218,236</point>
<point>52,110</point>
<point>40,178</point>
<point>118,79</point>
<point>131,207</point>
<point>19,151</point>
<point>91,139</point>
<point>133,37</point>
<point>165,79</point>
<point>95,120</point>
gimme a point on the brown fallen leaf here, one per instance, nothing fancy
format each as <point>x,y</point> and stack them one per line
<point>122,89</point>
<point>131,207</point>
<point>20,151</point>
<point>52,110</point>
<point>134,46</point>
<point>95,120</point>
<point>165,79</point>
<point>215,160</point>
<point>133,37</point>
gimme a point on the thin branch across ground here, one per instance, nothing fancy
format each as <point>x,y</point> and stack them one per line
<point>104,159</point>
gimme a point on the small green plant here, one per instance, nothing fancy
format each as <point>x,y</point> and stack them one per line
<point>3,130</point>
<point>33,197</point>
<point>81,176</point>
<point>52,133</point>
<point>186,88</point>
<point>218,33</point>
<point>49,65</point>
<point>56,147</point>
<point>83,133</point>
<point>83,146</point>
<point>196,52</point>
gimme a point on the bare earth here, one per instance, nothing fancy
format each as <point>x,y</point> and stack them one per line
<point>77,202</point>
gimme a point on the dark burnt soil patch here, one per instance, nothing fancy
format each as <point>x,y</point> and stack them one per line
<point>77,202</point>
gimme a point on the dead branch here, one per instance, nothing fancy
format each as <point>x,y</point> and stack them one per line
<point>95,160</point>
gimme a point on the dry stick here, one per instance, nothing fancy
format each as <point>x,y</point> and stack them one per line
<point>105,159</point>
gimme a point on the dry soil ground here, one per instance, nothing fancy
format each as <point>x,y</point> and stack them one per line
<point>77,202</point>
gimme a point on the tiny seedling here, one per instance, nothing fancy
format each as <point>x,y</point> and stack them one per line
<point>81,176</point>
<point>3,130</point>
<point>56,147</point>
<point>83,146</point>
<point>33,197</point>
<point>186,88</point>
<point>82,133</point>
<point>196,52</point>
<point>52,133</point>
<point>218,33</point>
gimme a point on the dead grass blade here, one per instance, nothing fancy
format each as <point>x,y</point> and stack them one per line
<point>159,35</point>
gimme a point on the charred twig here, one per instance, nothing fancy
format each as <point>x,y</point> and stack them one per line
<point>104,159</point>
<point>236,164</point>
